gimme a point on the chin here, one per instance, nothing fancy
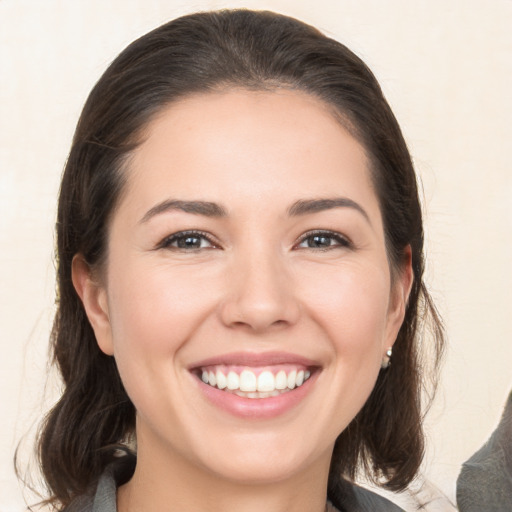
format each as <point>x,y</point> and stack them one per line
<point>258,469</point>
<point>265,459</point>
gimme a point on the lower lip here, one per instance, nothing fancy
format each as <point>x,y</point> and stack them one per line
<point>256,408</point>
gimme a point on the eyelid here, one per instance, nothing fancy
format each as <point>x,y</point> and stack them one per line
<point>343,241</point>
<point>168,240</point>
<point>165,243</point>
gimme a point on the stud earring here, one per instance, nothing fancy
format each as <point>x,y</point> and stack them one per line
<point>386,360</point>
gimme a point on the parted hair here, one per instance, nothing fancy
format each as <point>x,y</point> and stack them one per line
<point>199,53</point>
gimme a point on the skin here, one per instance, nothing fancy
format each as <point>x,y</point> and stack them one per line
<point>259,284</point>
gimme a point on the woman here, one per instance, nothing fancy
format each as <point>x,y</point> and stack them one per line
<point>239,261</point>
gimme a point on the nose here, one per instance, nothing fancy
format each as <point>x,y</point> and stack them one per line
<point>260,294</point>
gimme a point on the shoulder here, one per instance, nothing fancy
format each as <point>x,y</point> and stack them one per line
<point>485,481</point>
<point>346,497</point>
<point>349,497</point>
<point>102,498</point>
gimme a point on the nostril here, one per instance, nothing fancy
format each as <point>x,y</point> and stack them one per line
<point>260,295</point>
<point>259,316</point>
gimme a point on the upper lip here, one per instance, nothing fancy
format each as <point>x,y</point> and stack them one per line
<point>252,359</point>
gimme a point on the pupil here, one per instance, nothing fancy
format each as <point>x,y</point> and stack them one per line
<point>189,242</point>
<point>320,241</point>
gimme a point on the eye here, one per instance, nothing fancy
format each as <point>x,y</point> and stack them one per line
<point>188,241</point>
<point>323,240</point>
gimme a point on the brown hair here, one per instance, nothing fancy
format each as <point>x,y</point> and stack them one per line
<point>199,53</point>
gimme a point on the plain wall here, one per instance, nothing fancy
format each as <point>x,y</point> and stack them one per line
<point>446,69</point>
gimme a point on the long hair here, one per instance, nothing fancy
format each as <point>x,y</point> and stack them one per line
<point>196,54</point>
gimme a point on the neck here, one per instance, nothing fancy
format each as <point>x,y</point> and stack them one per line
<point>168,482</point>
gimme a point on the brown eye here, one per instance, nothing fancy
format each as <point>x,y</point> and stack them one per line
<point>323,240</point>
<point>191,241</point>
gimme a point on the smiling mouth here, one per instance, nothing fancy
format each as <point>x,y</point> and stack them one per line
<point>255,383</point>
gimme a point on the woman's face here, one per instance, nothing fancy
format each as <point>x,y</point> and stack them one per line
<point>247,251</point>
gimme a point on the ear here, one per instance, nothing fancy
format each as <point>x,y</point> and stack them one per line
<point>400,291</point>
<point>94,298</point>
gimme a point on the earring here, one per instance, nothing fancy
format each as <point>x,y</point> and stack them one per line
<point>386,360</point>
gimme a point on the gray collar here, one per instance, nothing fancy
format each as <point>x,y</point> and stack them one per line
<point>347,497</point>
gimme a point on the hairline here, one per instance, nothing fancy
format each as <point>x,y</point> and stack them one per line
<point>225,87</point>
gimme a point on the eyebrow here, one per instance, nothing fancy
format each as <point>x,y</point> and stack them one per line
<point>307,206</point>
<point>205,208</point>
<point>210,209</point>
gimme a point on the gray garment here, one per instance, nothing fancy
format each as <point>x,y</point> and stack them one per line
<point>104,497</point>
<point>485,481</point>
<point>484,484</point>
<point>346,497</point>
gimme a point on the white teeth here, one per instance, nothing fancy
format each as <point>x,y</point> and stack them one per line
<point>247,381</point>
<point>256,394</point>
<point>266,381</point>
<point>222,382</point>
<point>281,380</point>
<point>233,381</point>
<point>248,385</point>
<point>291,379</point>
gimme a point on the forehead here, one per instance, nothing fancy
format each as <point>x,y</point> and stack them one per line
<point>238,145</point>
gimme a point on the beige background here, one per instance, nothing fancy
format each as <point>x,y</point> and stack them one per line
<point>446,68</point>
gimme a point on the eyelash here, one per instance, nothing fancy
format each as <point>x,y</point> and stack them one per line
<point>341,240</point>
<point>183,235</point>
<point>201,235</point>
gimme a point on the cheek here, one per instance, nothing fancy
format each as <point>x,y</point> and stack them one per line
<point>154,312</point>
<point>351,309</point>
<point>351,305</point>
